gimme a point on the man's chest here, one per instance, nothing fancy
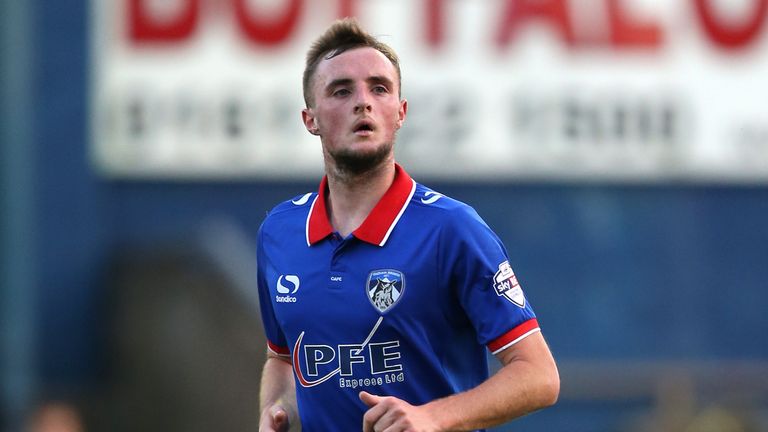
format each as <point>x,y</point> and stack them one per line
<point>338,291</point>
<point>339,288</point>
<point>358,313</point>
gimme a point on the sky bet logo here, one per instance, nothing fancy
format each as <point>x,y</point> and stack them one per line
<point>505,283</point>
<point>371,362</point>
<point>287,285</point>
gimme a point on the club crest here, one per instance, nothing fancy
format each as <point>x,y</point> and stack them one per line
<point>385,288</point>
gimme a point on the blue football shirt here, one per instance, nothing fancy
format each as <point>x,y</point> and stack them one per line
<point>405,306</point>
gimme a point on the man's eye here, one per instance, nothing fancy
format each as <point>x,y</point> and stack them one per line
<point>380,89</point>
<point>341,92</point>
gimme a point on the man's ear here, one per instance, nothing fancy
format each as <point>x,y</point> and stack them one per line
<point>308,117</point>
<point>401,113</point>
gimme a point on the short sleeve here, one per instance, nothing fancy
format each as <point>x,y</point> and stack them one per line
<point>276,340</point>
<point>484,282</point>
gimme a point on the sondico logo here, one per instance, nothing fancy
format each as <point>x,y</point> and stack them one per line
<point>303,200</point>
<point>287,285</point>
<point>431,197</point>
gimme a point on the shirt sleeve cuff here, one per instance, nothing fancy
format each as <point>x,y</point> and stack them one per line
<point>279,350</point>
<point>514,336</point>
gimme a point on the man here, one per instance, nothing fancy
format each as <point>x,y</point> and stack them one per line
<point>379,296</point>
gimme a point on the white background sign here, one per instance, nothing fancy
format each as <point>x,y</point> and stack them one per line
<point>497,89</point>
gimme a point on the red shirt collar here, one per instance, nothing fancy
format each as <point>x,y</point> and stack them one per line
<point>379,223</point>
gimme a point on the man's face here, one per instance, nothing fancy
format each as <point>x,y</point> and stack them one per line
<point>357,109</point>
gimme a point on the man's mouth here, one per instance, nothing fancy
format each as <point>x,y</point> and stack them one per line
<point>363,128</point>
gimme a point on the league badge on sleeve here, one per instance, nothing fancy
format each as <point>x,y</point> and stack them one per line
<point>505,283</point>
<point>385,288</point>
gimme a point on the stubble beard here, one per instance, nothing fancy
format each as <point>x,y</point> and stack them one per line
<point>355,163</point>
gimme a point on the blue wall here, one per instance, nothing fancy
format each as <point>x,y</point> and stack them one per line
<point>666,271</point>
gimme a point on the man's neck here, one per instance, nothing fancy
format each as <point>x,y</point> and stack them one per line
<point>351,198</point>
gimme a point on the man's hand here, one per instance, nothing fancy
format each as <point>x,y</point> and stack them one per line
<point>275,419</point>
<point>395,415</point>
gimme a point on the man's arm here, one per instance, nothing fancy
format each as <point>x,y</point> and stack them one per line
<point>278,407</point>
<point>527,381</point>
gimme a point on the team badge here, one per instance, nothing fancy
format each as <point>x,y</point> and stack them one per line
<point>505,283</point>
<point>385,288</point>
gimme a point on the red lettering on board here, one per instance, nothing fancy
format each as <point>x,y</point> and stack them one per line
<point>627,31</point>
<point>267,31</point>
<point>347,8</point>
<point>435,18</point>
<point>618,27</point>
<point>144,27</point>
<point>519,11</point>
<point>731,36</point>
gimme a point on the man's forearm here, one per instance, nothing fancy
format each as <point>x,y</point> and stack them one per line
<point>277,387</point>
<point>523,385</point>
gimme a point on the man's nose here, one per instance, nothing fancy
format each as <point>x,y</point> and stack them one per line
<point>363,103</point>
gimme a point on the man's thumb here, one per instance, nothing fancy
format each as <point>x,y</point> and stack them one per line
<point>369,399</point>
<point>279,416</point>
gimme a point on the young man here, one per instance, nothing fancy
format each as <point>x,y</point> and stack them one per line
<point>379,296</point>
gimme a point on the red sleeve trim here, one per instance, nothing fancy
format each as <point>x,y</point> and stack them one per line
<point>514,336</point>
<point>283,351</point>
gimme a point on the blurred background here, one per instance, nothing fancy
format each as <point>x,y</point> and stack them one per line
<point>618,147</point>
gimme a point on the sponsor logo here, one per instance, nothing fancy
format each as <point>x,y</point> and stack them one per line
<point>505,283</point>
<point>430,197</point>
<point>385,288</point>
<point>303,200</point>
<point>287,285</point>
<point>356,364</point>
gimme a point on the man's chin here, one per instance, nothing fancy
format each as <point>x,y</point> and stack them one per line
<point>359,162</point>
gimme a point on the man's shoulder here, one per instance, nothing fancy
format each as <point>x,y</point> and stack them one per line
<point>296,207</point>
<point>427,198</point>
<point>445,210</point>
